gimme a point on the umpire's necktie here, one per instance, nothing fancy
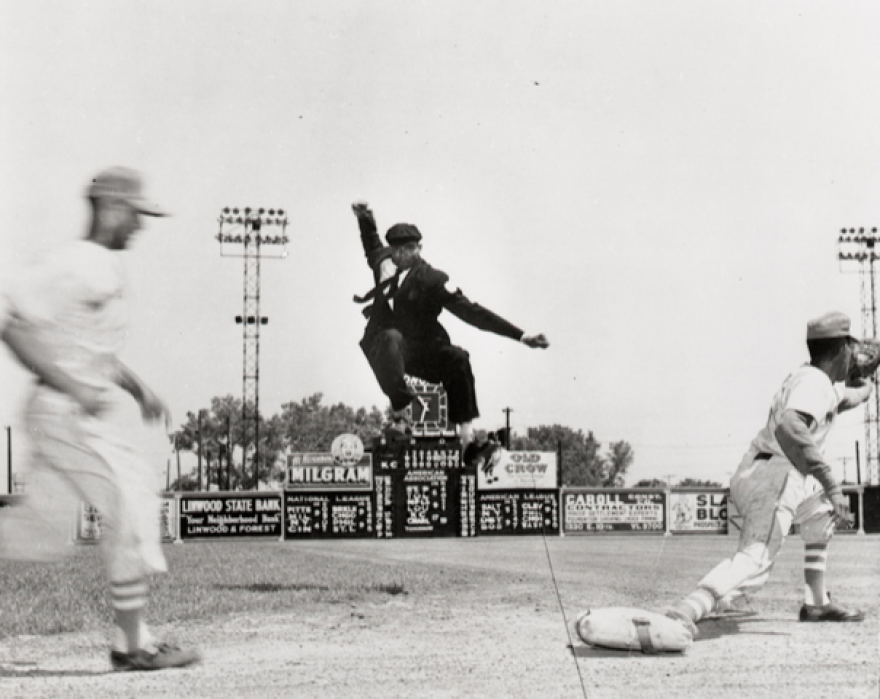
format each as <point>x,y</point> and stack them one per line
<point>385,289</point>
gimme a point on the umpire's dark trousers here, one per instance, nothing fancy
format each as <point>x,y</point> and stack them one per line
<point>391,355</point>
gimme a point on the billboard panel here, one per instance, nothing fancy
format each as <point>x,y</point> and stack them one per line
<point>593,510</point>
<point>230,515</point>
<point>702,511</point>
<point>89,524</point>
<point>321,471</point>
<point>509,470</point>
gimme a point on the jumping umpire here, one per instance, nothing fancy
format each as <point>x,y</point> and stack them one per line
<point>403,335</point>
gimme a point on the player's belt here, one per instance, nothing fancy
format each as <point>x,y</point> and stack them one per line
<point>763,456</point>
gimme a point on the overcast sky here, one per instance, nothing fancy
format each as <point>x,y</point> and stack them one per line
<point>657,186</point>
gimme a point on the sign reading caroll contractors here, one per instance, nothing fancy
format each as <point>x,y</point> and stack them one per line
<point>510,470</point>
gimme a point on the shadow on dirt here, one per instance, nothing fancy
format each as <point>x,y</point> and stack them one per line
<point>272,587</point>
<point>389,589</point>
<point>590,652</point>
<point>26,668</point>
<point>733,623</point>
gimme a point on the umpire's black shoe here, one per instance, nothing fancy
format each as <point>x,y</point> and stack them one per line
<point>162,657</point>
<point>830,612</point>
<point>476,454</point>
<point>397,428</point>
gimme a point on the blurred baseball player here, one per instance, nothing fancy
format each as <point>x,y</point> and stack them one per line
<point>403,334</point>
<point>771,487</point>
<point>66,322</point>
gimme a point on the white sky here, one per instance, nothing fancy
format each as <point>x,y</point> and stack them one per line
<point>658,187</point>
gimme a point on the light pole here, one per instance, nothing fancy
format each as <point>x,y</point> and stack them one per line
<point>857,250</point>
<point>245,237</point>
<point>507,412</point>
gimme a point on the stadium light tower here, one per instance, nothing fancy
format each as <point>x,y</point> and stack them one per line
<point>244,236</point>
<point>857,251</point>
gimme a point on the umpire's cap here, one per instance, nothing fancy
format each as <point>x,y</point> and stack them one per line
<point>401,233</point>
<point>122,183</point>
<point>830,325</point>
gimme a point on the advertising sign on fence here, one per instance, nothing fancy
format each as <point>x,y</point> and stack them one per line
<point>88,525</point>
<point>344,467</point>
<point>591,511</point>
<point>328,515</point>
<point>230,515</point>
<point>703,511</point>
<point>321,472</point>
<point>509,470</point>
<point>518,512</point>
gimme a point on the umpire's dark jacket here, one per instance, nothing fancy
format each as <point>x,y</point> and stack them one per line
<point>419,301</point>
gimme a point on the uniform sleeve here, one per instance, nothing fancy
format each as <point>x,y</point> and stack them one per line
<point>811,396</point>
<point>474,314</point>
<point>793,435</point>
<point>71,277</point>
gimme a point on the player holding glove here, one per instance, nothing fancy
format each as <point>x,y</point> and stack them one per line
<point>770,487</point>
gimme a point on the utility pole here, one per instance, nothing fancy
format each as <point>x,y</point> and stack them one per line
<point>199,482</point>
<point>228,453</point>
<point>844,460</point>
<point>507,411</point>
<point>244,238</point>
<point>857,251</point>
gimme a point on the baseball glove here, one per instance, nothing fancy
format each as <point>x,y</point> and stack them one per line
<point>866,359</point>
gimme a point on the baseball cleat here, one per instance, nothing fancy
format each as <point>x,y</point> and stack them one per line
<point>683,620</point>
<point>163,657</point>
<point>830,612</point>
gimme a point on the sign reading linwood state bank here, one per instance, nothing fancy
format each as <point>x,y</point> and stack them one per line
<point>592,510</point>
<point>230,515</point>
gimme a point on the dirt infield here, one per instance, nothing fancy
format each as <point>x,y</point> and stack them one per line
<point>504,639</point>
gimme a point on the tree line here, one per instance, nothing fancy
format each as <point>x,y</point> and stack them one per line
<point>214,436</point>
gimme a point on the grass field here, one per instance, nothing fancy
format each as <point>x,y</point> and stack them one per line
<point>437,618</point>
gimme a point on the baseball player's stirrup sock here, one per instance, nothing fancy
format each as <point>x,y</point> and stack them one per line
<point>815,556</point>
<point>696,605</point>
<point>128,600</point>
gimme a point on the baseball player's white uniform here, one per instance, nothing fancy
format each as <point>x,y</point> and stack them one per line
<point>778,481</point>
<point>77,299</point>
<point>771,493</point>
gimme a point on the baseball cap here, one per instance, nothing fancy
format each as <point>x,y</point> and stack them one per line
<point>401,233</point>
<point>833,324</point>
<point>122,183</point>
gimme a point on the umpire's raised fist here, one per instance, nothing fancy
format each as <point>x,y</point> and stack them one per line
<point>362,209</point>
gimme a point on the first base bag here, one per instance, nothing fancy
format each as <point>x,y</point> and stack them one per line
<point>624,628</point>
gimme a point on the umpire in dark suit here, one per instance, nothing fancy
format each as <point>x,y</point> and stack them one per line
<point>403,334</point>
